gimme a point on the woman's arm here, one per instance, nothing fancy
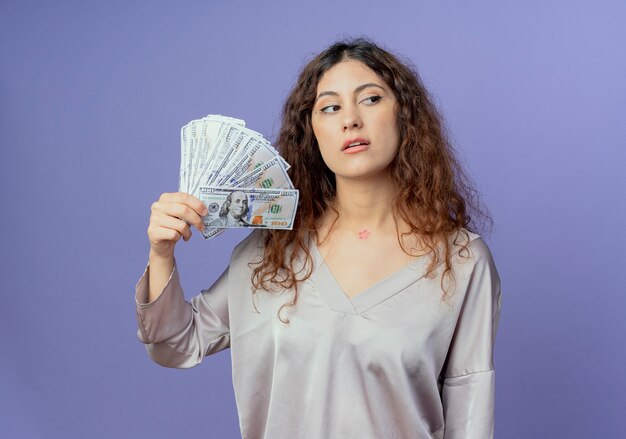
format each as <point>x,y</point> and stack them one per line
<point>178,333</point>
<point>170,220</point>
<point>468,392</point>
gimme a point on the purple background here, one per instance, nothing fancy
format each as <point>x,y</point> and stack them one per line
<point>92,97</point>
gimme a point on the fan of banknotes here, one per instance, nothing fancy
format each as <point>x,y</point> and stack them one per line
<point>237,174</point>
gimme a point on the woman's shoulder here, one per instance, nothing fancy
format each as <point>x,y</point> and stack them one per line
<point>470,245</point>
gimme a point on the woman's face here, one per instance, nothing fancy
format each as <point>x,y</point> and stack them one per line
<point>355,121</point>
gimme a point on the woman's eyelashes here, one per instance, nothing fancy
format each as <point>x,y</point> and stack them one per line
<point>328,108</point>
<point>370,100</point>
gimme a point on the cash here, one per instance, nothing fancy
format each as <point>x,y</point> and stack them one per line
<point>237,174</point>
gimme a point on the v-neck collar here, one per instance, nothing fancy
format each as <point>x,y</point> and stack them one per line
<point>336,298</point>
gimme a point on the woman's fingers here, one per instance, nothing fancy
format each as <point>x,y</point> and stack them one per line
<point>181,211</point>
<point>170,220</point>
<point>166,228</point>
<point>190,201</point>
<point>160,236</point>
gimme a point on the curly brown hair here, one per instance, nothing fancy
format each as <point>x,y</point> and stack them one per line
<point>436,196</point>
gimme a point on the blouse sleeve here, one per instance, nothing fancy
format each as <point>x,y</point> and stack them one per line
<point>468,392</point>
<point>179,333</point>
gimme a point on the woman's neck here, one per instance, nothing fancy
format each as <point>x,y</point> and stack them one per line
<point>365,203</point>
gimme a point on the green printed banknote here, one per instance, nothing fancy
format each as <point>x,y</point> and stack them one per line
<point>237,174</point>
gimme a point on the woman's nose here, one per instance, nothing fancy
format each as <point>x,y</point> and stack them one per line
<point>351,119</point>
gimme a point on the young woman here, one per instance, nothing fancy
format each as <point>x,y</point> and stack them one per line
<point>375,317</point>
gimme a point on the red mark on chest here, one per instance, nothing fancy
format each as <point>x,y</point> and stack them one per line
<point>364,234</point>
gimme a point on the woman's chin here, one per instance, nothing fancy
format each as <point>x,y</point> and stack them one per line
<point>363,174</point>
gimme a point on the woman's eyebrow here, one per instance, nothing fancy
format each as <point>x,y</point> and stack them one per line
<point>369,84</point>
<point>356,90</point>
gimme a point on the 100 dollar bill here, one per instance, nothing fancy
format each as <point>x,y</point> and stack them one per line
<point>233,207</point>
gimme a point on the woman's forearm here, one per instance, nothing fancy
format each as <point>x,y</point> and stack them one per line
<point>159,273</point>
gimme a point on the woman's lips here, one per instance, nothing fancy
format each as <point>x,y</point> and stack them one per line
<point>355,149</point>
<point>359,143</point>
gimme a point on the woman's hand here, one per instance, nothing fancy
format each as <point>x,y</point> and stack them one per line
<point>171,218</point>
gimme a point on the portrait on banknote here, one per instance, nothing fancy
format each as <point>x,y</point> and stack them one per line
<point>233,211</point>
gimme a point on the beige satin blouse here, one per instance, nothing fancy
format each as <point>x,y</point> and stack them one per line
<point>394,361</point>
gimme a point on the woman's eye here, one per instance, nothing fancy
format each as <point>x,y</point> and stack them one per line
<point>330,109</point>
<point>372,99</point>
